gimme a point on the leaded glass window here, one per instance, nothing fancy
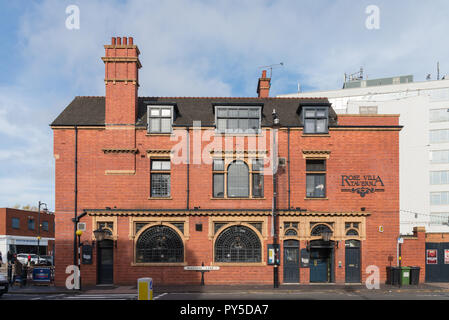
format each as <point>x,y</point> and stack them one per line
<point>238,180</point>
<point>159,244</point>
<point>319,229</point>
<point>160,178</point>
<point>238,244</point>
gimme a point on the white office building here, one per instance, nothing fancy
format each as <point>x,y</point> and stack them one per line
<point>424,140</point>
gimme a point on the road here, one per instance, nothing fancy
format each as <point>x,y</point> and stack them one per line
<point>232,296</point>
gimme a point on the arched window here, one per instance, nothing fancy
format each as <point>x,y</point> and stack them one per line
<point>291,232</point>
<point>238,244</point>
<point>159,244</point>
<point>238,180</point>
<point>320,229</point>
<point>352,232</point>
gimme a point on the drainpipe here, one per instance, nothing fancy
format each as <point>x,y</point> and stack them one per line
<point>76,198</point>
<point>274,209</point>
<point>288,165</point>
<point>188,169</point>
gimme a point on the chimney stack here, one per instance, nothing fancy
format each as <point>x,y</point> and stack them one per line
<point>122,81</point>
<point>263,87</point>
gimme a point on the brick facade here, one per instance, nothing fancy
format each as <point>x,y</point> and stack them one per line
<point>114,186</point>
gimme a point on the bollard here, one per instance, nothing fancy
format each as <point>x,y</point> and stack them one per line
<point>145,288</point>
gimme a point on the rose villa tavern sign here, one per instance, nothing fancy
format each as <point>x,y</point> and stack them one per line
<point>362,185</point>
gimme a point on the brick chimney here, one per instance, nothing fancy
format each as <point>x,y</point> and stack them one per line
<point>263,87</point>
<point>122,81</point>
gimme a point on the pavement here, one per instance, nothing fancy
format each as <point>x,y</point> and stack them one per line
<point>286,289</point>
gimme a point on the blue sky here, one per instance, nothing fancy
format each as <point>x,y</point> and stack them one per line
<point>191,48</point>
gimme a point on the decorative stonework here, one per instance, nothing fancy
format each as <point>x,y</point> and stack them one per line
<point>309,154</point>
<point>134,151</point>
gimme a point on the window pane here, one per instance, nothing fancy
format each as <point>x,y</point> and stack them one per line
<point>221,112</point>
<point>233,113</point>
<point>321,125</point>
<point>315,165</point>
<point>309,126</point>
<point>166,112</point>
<point>218,185</point>
<point>258,164</point>
<point>160,185</point>
<point>165,125</point>
<point>254,125</point>
<point>221,125</point>
<point>315,185</point>
<point>309,114</point>
<point>257,185</point>
<point>165,165</point>
<point>155,112</point>
<point>243,113</point>
<point>233,125</point>
<point>254,113</point>
<point>321,113</point>
<point>155,125</point>
<point>243,125</point>
<point>219,165</point>
<point>238,179</point>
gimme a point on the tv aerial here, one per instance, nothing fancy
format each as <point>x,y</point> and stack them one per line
<point>273,66</point>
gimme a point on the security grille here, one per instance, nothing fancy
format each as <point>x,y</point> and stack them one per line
<point>238,244</point>
<point>159,244</point>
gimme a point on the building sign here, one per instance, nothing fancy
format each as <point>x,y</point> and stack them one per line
<point>446,256</point>
<point>362,185</point>
<point>432,256</point>
<point>202,268</point>
<point>305,258</point>
<point>86,254</point>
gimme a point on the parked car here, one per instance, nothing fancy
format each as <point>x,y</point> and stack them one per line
<point>23,258</point>
<point>48,259</point>
<point>3,284</point>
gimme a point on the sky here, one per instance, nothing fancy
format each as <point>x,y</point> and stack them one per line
<point>192,48</point>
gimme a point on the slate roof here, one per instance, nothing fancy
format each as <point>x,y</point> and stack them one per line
<point>90,111</point>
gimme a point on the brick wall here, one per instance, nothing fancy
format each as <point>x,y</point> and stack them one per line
<point>414,251</point>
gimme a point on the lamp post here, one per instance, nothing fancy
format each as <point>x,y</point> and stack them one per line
<point>39,229</point>
<point>79,233</point>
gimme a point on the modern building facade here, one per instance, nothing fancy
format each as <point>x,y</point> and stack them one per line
<point>424,141</point>
<point>19,232</point>
<point>178,182</point>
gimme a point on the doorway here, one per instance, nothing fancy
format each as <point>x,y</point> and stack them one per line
<point>352,261</point>
<point>291,261</point>
<point>321,261</point>
<point>105,262</point>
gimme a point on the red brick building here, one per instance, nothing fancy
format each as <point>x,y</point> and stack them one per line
<point>124,159</point>
<point>19,231</point>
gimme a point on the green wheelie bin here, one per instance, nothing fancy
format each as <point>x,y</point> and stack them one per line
<point>405,276</point>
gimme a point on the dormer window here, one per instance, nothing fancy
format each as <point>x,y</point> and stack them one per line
<point>238,119</point>
<point>160,119</point>
<point>316,120</point>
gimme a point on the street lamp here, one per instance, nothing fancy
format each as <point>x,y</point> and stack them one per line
<point>79,233</point>
<point>276,125</point>
<point>100,234</point>
<point>39,229</point>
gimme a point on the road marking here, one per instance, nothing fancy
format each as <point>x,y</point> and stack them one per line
<point>161,295</point>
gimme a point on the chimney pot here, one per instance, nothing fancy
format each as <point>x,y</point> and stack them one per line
<point>130,41</point>
<point>264,73</point>
<point>125,41</point>
<point>119,41</point>
<point>113,41</point>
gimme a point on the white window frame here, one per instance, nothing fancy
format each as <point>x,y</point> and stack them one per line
<point>230,131</point>
<point>160,107</point>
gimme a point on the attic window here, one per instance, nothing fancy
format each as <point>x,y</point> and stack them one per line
<point>160,119</point>
<point>315,119</point>
<point>237,119</point>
